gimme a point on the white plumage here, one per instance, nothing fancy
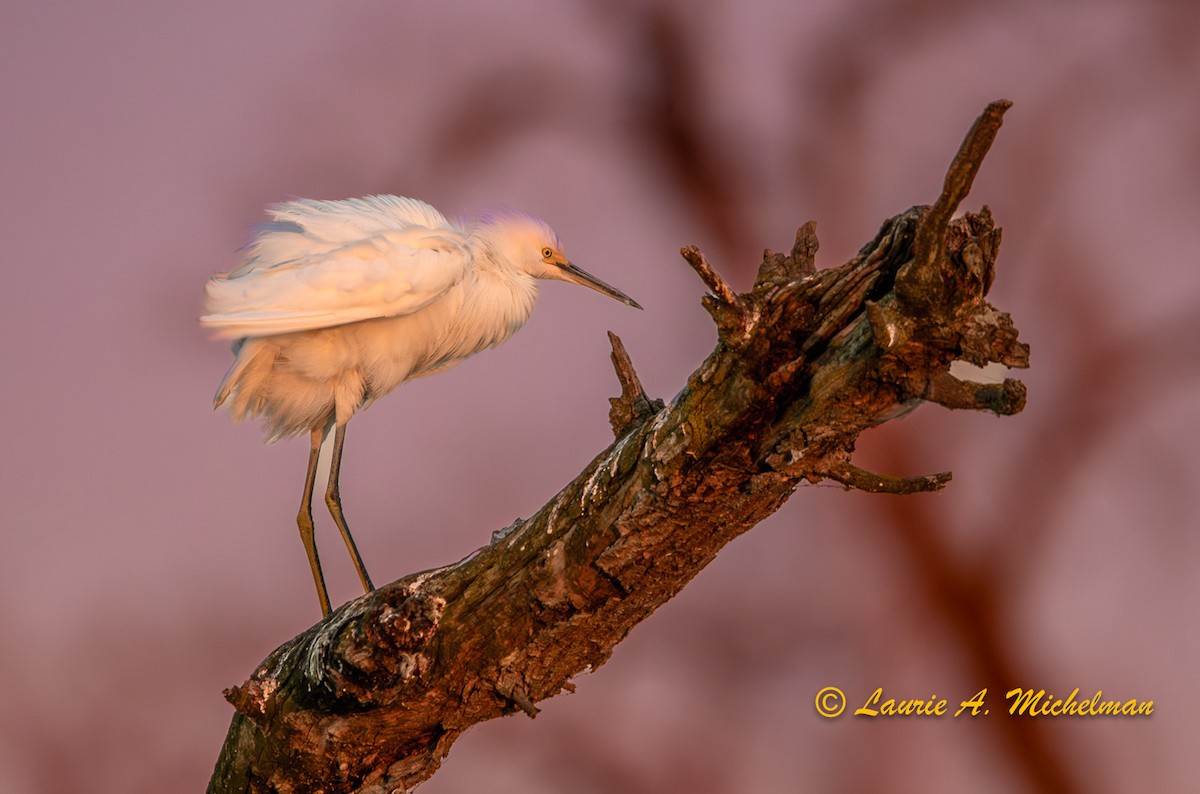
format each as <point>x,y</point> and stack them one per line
<point>326,263</point>
<point>339,302</point>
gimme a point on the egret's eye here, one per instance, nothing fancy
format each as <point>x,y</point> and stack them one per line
<point>547,253</point>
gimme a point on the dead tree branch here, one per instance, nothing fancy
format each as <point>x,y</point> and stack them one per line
<point>372,698</point>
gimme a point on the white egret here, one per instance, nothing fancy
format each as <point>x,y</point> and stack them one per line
<point>339,302</point>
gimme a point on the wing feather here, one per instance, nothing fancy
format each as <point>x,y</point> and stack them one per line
<point>324,263</point>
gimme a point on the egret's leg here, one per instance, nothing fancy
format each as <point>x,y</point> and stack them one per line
<point>333,498</point>
<point>305,520</point>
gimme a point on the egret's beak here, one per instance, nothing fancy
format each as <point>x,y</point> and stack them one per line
<point>576,275</point>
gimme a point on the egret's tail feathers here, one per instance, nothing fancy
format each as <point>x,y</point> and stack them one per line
<point>285,400</point>
<point>229,381</point>
<point>243,385</point>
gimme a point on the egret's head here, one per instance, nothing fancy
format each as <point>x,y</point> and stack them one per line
<point>529,244</point>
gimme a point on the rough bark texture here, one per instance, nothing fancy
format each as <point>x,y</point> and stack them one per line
<point>372,698</point>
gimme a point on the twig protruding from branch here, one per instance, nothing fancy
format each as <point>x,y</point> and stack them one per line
<point>509,686</point>
<point>712,279</point>
<point>730,312</point>
<point>922,282</point>
<point>1002,399</point>
<point>632,406</point>
<point>852,476</point>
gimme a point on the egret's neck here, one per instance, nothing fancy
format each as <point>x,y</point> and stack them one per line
<point>504,296</point>
<point>504,292</point>
<point>490,305</point>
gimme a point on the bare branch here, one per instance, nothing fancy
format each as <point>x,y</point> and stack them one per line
<point>372,698</point>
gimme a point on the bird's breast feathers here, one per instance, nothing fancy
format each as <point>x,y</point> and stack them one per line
<point>484,310</point>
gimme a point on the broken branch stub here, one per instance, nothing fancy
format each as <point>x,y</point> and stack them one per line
<point>632,406</point>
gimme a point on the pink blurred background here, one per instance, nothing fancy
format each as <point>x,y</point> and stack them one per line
<point>150,556</point>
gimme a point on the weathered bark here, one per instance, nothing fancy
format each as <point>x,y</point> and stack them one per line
<point>372,698</point>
